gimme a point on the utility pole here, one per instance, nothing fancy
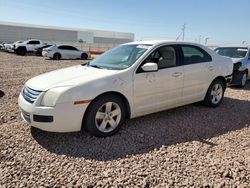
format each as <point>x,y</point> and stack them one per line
<point>199,39</point>
<point>206,39</point>
<point>183,32</point>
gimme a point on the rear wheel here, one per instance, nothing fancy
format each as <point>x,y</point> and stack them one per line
<point>215,93</point>
<point>84,56</point>
<point>105,116</point>
<point>57,56</point>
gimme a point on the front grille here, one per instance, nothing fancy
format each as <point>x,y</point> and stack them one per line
<point>30,95</point>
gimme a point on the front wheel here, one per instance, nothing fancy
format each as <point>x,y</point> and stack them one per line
<point>215,93</point>
<point>105,116</point>
<point>243,79</point>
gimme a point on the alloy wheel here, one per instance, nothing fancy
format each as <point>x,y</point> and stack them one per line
<point>108,117</point>
<point>216,93</point>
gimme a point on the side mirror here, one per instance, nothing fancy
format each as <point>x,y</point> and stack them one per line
<point>150,67</point>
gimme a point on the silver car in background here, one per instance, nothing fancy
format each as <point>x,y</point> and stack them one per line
<point>241,59</point>
<point>65,52</point>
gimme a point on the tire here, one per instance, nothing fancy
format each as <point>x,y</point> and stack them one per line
<point>57,56</point>
<point>21,51</point>
<point>215,94</point>
<point>104,116</point>
<point>243,79</point>
<point>84,56</point>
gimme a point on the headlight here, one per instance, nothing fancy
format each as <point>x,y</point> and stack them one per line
<point>51,96</point>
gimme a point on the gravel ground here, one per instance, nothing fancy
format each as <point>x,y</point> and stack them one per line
<point>191,146</point>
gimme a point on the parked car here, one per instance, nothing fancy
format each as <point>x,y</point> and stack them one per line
<point>131,80</point>
<point>7,47</point>
<point>1,46</point>
<point>40,50</point>
<point>27,46</point>
<point>65,52</point>
<point>241,60</point>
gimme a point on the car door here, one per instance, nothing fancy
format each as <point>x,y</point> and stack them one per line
<point>155,91</point>
<point>198,72</point>
<point>169,78</point>
<point>31,45</point>
<point>74,52</point>
<point>64,51</point>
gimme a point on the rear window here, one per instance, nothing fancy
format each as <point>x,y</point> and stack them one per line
<point>194,54</point>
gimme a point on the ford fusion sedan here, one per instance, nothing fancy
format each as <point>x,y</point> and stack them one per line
<point>64,52</point>
<point>241,60</point>
<point>131,80</point>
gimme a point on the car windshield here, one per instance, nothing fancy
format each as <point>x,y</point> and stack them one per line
<point>121,57</point>
<point>232,52</point>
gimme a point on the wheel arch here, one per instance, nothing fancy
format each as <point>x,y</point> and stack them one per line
<point>58,54</point>
<point>120,95</point>
<point>221,78</point>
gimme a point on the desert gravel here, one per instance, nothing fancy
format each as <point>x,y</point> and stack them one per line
<point>190,146</point>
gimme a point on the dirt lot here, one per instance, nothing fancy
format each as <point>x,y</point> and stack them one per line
<point>191,146</point>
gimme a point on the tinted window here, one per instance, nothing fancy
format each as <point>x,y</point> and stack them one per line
<point>71,48</point>
<point>193,54</point>
<point>34,42</point>
<point>67,47</point>
<point>63,47</point>
<point>164,56</point>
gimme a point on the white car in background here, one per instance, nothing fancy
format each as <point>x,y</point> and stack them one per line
<point>241,59</point>
<point>65,52</point>
<point>131,80</point>
<point>27,46</point>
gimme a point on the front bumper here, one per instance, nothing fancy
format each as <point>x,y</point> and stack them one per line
<point>45,53</point>
<point>65,117</point>
<point>237,77</point>
<point>229,78</point>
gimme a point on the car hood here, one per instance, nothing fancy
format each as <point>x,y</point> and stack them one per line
<point>70,76</point>
<point>236,60</point>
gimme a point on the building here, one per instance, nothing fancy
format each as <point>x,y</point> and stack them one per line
<point>83,38</point>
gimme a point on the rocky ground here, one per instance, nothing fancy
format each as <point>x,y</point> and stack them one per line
<point>191,146</point>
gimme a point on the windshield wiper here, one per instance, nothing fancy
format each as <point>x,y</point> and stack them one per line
<point>96,66</point>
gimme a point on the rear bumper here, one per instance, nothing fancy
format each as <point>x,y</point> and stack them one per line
<point>65,117</point>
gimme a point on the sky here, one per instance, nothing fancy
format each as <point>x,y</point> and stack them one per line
<point>222,21</point>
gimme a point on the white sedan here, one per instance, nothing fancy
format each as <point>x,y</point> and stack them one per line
<point>131,80</point>
<point>65,52</point>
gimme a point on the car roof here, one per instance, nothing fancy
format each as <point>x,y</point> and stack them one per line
<point>159,42</point>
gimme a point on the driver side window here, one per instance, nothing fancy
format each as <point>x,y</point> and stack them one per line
<point>164,56</point>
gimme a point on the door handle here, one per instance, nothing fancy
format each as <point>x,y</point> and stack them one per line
<point>211,68</point>
<point>176,74</point>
